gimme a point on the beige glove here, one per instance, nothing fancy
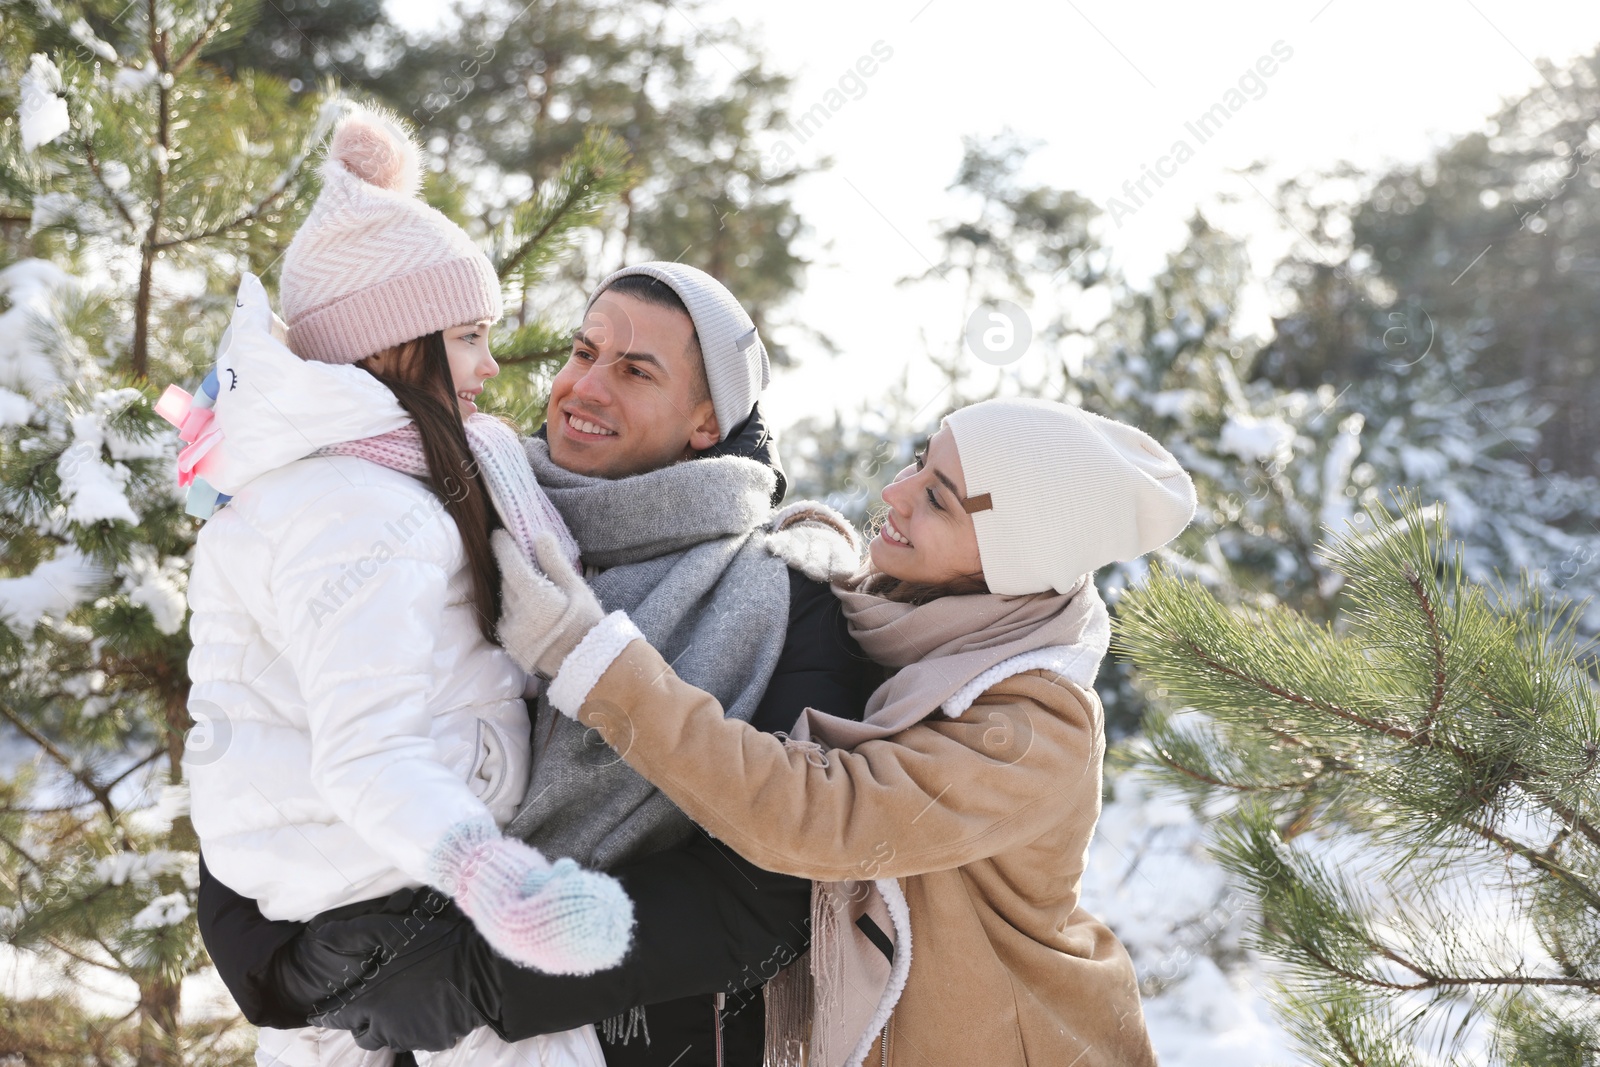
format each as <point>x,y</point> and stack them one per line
<point>543,617</point>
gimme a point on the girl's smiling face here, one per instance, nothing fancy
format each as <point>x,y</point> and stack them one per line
<point>927,536</point>
<point>471,365</point>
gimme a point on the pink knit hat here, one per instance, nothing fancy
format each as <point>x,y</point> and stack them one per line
<point>374,266</point>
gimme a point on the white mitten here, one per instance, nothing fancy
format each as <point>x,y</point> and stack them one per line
<point>556,917</point>
<point>542,616</point>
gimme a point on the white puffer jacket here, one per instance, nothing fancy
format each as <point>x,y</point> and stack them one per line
<point>349,710</point>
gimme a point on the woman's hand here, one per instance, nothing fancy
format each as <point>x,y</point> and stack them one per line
<point>543,617</point>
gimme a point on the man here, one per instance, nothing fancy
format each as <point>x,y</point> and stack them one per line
<point>656,456</point>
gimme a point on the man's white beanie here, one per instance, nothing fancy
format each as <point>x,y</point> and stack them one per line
<point>1067,492</point>
<point>373,265</point>
<point>735,359</point>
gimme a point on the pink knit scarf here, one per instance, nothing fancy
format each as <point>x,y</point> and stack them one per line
<point>524,509</point>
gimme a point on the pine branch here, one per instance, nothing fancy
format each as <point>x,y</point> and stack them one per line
<point>250,214</point>
<point>591,178</point>
<point>543,356</point>
<point>1565,812</point>
<point>275,192</point>
<point>1435,642</point>
<point>202,40</point>
<point>101,794</point>
<point>1543,860</point>
<point>1438,981</point>
<point>533,342</point>
<point>1200,776</point>
<point>115,967</point>
<point>1421,738</point>
<point>100,179</point>
<point>24,853</point>
<point>139,355</point>
<point>1400,733</point>
<point>1350,1053</point>
<point>151,758</point>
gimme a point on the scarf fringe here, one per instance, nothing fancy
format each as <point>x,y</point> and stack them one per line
<point>827,966</point>
<point>788,1004</point>
<point>624,1027</point>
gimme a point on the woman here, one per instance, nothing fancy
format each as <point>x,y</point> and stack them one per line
<point>947,833</point>
<point>375,739</point>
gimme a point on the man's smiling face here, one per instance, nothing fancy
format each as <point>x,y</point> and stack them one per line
<point>632,397</point>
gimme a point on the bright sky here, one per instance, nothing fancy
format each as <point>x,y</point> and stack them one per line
<point>1107,87</point>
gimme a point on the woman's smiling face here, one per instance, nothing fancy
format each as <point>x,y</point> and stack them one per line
<point>927,536</point>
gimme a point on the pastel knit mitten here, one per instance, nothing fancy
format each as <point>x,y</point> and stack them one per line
<point>543,617</point>
<point>555,917</point>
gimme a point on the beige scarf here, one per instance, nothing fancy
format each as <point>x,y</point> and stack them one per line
<point>829,1005</point>
<point>941,648</point>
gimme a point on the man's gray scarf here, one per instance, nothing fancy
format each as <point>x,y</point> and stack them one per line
<point>683,552</point>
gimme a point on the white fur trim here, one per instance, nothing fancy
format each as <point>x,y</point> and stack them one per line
<point>781,517</point>
<point>894,899</point>
<point>1076,663</point>
<point>581,670</point>
<point>823,548</point>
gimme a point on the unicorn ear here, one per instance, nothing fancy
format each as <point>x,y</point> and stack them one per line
<point>251,305</point>
<point>373,146</point>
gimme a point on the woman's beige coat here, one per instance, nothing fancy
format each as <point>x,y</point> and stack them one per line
<point>984,820</point>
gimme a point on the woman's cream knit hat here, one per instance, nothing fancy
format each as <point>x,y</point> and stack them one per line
<point>1056,492</point>
<point>373,265</point>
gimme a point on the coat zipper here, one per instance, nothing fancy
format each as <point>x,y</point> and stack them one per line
<point>716,1019</point>
<point>884,1045</point>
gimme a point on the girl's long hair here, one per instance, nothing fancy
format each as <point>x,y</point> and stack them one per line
<point>421,381</point>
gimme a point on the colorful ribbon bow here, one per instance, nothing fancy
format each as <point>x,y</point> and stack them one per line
<point>196,423</point>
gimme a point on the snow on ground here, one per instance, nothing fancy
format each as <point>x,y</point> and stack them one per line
<point>1149,878</point>
<point>1207,999</point>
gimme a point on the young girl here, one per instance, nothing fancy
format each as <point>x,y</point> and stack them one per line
<point>365,736</point>
<point>955,820</point>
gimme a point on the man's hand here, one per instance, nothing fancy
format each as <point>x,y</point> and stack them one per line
<point>411,980</point>
<point>543,617</point>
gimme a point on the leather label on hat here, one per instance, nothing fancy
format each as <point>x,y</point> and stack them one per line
<point>974,504</point>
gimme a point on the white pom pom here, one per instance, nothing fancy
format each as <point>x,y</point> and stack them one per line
<point>374,147</point>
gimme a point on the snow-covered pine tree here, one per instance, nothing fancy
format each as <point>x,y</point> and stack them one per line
<point>1173,359</point>
<point>1430,376</point>
<point>136,183</point>
<point>1275,468</point>
<point>1009,240</point>
<point>513,89</point>
<point>139,182</point>
<point>1433,422</point>
<point>1414,795</point>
